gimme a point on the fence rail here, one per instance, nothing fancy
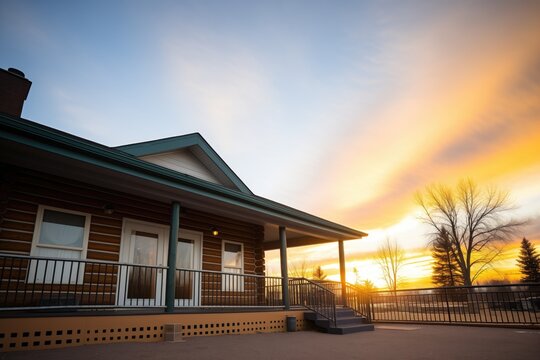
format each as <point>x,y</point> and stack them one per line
<point>203,288</point>
<point>28,282</point>
<point>497,304</point>
<point>36,282</point>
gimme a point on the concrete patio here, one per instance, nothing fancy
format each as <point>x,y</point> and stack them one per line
<point>386,342</point>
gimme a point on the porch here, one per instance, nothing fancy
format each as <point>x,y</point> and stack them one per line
<point>55,302</point>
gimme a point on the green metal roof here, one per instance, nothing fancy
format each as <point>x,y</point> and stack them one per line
<point>47,139</point>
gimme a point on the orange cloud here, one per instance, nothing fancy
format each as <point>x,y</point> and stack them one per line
<point>480,119</point>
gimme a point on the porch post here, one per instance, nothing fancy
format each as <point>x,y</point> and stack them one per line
<point>171,259</point>
<point>342,272</point>
<point>284,270</point>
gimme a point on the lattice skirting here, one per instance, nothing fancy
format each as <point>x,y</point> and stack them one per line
<point>39,333</point>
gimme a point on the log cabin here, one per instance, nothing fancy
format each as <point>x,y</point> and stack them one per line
<point>110,244</point>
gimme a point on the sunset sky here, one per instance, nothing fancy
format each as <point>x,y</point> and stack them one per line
<point>342,109</point>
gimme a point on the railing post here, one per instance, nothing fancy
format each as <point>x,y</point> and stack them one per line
<point>370,314</point>
<point>447,305</point>
<point>284,270</point>
<point>342,273</point>
<point>171,259</point>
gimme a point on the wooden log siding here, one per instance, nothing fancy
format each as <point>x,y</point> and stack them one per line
<point>26,189</point>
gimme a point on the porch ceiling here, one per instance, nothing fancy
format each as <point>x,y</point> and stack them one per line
<point>140,178</point>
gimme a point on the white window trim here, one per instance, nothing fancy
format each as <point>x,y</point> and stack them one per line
<point>37,233</point>
<point>223,288</point>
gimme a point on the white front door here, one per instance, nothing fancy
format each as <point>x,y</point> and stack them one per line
<point>188,264</point>
<point>142,283</point>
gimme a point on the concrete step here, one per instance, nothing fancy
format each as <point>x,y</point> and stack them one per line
<point>339,313</point>
<point>354,320</point>
<point>346,322</point>
<point>344,312</point>
<point>350,320</point>
<point>345,315</point>
<point>349,329</point>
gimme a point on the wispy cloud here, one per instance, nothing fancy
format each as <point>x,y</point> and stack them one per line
<point>222,81</point>
<point>466,105</point>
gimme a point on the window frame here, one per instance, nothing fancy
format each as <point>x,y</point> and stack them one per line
<point>240,278</point>
<point>39,222</point>
<point>36,245</point>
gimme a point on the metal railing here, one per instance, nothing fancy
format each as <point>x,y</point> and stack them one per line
<point>38,282</point>
<point>203,288</point>
<point>359,301</point>
<point>30,282</point>
<point>313,296</point>
<point>356,299</point>
<point>497,304</point>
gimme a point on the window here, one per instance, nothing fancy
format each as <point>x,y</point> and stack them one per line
<point>233,263</point>
<point>59,234</point>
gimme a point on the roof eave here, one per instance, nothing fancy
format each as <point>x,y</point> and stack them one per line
<point>38,136</point>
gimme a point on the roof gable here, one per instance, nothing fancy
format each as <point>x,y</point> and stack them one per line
<point>188,154</point>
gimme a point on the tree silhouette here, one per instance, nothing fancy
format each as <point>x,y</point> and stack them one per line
<point>446,271</point>
<point>476,222</point>
<point>299,270</point>
<point>529,262</point>
<point>364,285</point>
<point>318,273</point>
<point>391,257</point>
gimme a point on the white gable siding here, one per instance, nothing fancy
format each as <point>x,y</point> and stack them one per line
<point>185,162</point>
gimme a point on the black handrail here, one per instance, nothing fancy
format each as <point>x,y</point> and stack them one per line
<point>356,299</point>
<point>359,301</point>
<point>313,296</point>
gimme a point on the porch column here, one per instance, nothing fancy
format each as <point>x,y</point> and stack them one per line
<point>284,270</point>
<point>171,258</point>
<point>342,272</point>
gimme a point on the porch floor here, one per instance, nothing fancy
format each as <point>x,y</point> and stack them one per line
<point>388,341</point>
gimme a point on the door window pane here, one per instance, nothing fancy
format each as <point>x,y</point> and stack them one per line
<point>184,254</point>
<point>142,280</point>
<point>184,261</point>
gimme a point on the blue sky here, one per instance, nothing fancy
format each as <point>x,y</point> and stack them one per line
<point>342,109</point>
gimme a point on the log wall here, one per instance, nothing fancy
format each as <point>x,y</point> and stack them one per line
<point>23,190</point>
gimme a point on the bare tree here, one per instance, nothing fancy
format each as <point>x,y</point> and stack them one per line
<point>391,258</point>
<point>300,270</point>
<point>475,221</point>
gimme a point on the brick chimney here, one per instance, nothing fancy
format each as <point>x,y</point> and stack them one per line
<point>14,89</point>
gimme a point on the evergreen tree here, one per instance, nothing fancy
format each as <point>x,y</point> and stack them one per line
<point>318,273</point>
<point>446,270</point>
<point>529,262</point>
